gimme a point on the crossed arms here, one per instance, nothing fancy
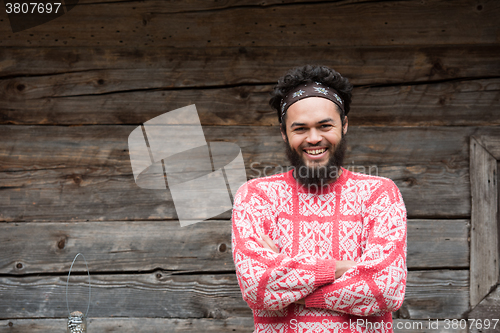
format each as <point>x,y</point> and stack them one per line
<point>270,280</point>
<point>341,266</point>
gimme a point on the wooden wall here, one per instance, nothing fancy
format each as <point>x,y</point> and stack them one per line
<point>426,76</point>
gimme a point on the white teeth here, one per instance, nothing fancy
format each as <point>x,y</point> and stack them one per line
<point>316,152</point>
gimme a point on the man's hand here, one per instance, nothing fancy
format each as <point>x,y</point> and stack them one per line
<point>341,266</point>
<point>268,243</point>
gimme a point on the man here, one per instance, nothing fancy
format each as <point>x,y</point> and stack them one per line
<point>319,248</point>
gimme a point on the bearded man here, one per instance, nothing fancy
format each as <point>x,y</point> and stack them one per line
<point>319,248</point>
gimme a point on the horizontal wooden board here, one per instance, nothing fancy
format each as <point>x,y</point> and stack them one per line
<point>74,99</point>
<point>152,24</point>
<point>438,243</point>
<point>124,295</point>
<point>71,70</point>
<point>116,246</point>
<point>455,103</point>
<point>423,288</point>
<point>430,294</point>
<point>33,248</point>
<point>203,325</point>
<point>53,173</point>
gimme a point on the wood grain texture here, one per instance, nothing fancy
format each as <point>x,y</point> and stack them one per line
<point>430,294</point>
<point>156,294</point>
<point>76,99</point>
<point>423,288</point>
<point>160,325</point>
<point>56,173</point>
<point>438,243</point>
<point>116,246</point>
<point>33,248</point>
<point>484,265</point>
<point>491,144</point>
<point>152,24</point>
<point>101,70</point>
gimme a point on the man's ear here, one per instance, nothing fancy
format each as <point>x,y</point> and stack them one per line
<point>283,135</point>
<point>344,130</point>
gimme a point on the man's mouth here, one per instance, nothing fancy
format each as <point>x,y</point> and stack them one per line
<point>315,152</point>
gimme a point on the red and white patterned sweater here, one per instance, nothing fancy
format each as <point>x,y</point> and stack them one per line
<point>360,218</point>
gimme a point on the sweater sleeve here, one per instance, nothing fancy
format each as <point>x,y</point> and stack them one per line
<point>269,280</point>
<point>377,282</point>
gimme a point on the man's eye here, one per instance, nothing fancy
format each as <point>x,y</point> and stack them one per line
<point>299,129</point>
<point>326,126</point>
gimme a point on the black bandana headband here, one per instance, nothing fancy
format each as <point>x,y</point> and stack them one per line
<point>310,89</point>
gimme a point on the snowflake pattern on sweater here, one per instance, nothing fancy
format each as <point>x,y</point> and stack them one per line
<point>359,217</point>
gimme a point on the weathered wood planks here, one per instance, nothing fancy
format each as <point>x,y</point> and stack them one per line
<point>110,69</point>
<point>430,294</point>
<point>116,246</point>
<point>51,173</point>
<point>423,288</point>
<point>70,99</point>
<point>484,264</point>
<point>156,294</point>
<point>33,248</point>
<point>491,143</point>
<point>152,24</point>
<point>438,243</point>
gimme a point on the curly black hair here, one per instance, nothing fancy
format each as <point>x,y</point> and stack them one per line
<point>310,73</point>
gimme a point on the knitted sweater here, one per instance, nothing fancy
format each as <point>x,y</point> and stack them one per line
<point>359,217</point>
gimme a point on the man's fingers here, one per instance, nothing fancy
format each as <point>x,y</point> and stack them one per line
<point>268,243</point>
<point>263,243</point>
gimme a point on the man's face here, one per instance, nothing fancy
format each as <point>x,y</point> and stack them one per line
<point>314,132</point>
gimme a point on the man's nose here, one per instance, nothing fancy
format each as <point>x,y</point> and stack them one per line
<point>314,137</point>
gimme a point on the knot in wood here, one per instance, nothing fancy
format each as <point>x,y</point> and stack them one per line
<point>410,181</point>
<point>61,244</point>
<point>222,247</point>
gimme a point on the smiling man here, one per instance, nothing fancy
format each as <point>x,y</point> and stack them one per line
<point>319,248</point>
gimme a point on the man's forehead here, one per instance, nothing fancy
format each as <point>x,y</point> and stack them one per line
<point>312,110</point>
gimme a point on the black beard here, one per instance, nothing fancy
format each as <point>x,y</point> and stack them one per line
<point>321,176</point>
